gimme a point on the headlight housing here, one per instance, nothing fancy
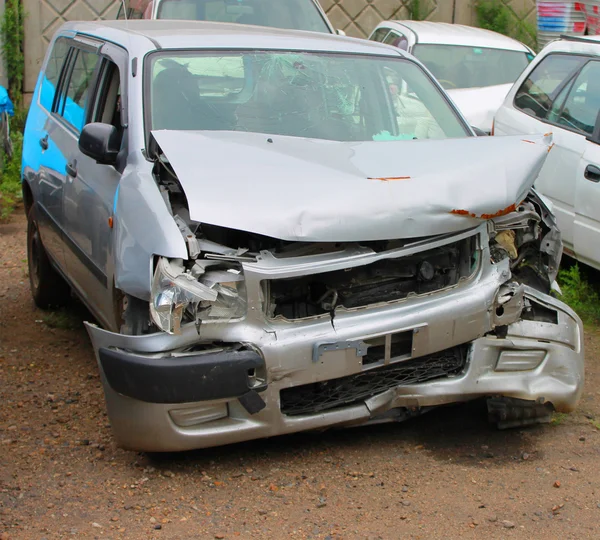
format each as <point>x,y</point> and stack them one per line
<point>209,291</point>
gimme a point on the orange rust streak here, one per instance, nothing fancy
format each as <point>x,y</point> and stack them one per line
<point>462,213</point>
<point>390,178</point>
<point>550,147</point>
<point>110,222</point>
<point>499,213</point>
<point>530,142</point>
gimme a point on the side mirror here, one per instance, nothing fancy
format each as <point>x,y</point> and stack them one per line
<point>101,142</point>
<point>340,32</point>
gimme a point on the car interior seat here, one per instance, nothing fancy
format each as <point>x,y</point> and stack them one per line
<point>177,104</point>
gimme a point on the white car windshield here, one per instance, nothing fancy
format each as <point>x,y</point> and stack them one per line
<point>315,95</point>
<point>471,67</point>
<point>291,14</point>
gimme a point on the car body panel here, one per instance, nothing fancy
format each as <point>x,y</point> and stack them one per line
<point>562,178</point>
<point>480,104</point>
<point>381,190</point>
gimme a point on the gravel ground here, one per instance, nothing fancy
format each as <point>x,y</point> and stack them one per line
<point>444,475</point>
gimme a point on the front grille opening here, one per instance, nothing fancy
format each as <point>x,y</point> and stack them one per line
<point>327,395</point>
<point>400,346</point>
<point>382,281</point>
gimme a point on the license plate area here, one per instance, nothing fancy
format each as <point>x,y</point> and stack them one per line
<point>373,351</point>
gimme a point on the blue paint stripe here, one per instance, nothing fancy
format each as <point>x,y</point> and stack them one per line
<point>115,200</point>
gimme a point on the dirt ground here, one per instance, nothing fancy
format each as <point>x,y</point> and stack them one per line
<point>444,475</point>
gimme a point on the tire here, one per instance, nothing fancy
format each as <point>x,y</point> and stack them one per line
<point>48,287</point>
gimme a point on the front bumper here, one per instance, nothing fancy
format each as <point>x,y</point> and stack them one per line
<point>536,361</point>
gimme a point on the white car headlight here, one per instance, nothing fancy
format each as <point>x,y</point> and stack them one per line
<point>203,294</point>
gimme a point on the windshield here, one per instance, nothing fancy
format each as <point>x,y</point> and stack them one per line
<point>456,66</point>
<point>315,95</point>
<point>292,14</point>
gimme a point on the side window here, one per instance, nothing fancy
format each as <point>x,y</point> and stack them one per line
<point>397,40</point>
<point>582,106</point>
<point>135,9</point>
<point>546,82</point>
<point>73,103</point>
<point>379,34</point>
<point>107,106</point>
<point>54,66</point>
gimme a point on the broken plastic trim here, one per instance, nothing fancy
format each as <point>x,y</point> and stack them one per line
<point>210,291</point>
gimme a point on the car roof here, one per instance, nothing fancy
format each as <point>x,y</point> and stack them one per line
<point>574,45</point>
<point>457,34</point>
<point>146,35</point>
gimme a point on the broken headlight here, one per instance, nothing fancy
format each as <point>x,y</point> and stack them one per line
<point>211,291</point>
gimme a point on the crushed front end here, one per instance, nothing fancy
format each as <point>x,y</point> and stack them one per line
<point>261,337</point>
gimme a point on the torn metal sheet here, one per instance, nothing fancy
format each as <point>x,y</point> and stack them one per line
<point>317,190</point>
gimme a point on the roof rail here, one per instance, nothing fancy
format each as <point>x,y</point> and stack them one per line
<point>584,39</point>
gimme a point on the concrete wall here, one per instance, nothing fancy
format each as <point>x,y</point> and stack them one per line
<point>45,16</point>
<point>356,17</point>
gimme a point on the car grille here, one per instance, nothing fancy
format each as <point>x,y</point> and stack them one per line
<point>326,395</point>
<point>385,280</point>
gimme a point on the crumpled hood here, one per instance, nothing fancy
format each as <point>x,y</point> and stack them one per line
<point>479,105</point>
<point>325,191</point>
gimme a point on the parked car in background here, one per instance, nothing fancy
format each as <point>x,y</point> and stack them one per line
<point>282,231</point>
<point>560,92</point>
<point>290,14</point>
<point>477,67</point>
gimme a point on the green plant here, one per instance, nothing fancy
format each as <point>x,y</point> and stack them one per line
<point>493,15</point>
<point>12,35</point>
<point>10,178</point>
<point>497,16</point>
<point>558,418</point>
<point>11,38</point>
<point>62,319</point>
<point>578,293</point>
<point>417,11</point>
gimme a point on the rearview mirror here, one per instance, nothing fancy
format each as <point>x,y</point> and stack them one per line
<point>101,142</point>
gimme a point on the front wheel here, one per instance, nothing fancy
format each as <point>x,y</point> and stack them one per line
<point>48,287</point>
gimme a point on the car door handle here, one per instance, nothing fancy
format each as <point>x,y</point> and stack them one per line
<point>592,173</point>
<point>44,142</point>
<point>71,168</point>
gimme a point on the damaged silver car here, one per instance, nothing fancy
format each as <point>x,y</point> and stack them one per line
<point>284,231</point>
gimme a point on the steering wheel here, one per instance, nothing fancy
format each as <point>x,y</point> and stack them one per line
<point>446,82</point>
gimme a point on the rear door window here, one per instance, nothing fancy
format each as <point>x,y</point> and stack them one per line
<point>546,83</point>
<point>582,104</point>
<point>52,72</point>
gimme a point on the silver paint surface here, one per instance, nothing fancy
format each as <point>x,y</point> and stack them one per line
<point>316,190</point>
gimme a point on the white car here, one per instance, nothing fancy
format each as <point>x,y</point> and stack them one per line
<point>477,67</point>
<point>560,93</point>
<point>291,14</point>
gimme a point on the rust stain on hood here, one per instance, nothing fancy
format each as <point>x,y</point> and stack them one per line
<point>499,213</point>
<point>390,178</point>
